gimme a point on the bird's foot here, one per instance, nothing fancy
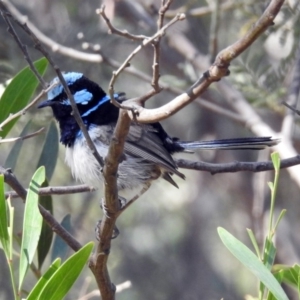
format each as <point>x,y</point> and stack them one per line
<point>115,233</point>
<point>122,202</point>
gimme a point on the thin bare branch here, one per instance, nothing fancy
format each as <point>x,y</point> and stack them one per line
<point>165,5</point>
<point>156,44</point>
<point>260,26</point>
<point>57,190</point>
<point>125,64</point>
<point>119,288</point>
<point>236,166</point>
<point>114,30</point>
<point>214,28</point>
<point>30,135</point>
<point>205,10</point>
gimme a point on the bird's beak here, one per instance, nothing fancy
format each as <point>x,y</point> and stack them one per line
<point>45,104</point>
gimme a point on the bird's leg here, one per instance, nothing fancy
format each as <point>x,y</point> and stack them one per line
<point>143,190</point>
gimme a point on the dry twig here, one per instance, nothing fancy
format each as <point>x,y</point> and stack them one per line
<point>19,138</point>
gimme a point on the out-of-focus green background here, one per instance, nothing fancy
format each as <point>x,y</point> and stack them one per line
<point>168,246</point>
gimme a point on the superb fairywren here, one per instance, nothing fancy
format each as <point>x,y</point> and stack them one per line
<point>148,148</point>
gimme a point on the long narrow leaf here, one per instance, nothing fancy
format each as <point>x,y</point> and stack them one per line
<point>43,280</point>
<point>60,248</point>
<point>45,240</point>
<point>4,237</point>
<point>63,279</point>
<point>13,155</point>
<point>252,263</point>
<point>32,224</point>
<point>50,151</point>
<point>18,93</point>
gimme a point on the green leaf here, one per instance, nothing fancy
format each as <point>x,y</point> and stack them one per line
<point>252,263</point>
<point>269,253</point>
<point>50,151</point>
<point>289,275</point>
<point>19,92</point>
<point>298,287</point>
<point>271,296</point>
<point>32,224</point>
<point>60,248</point>
<point>13,155</point>
<point>43,280</point>
<point>4,237</point>
<point>46,233</point>
<point>63,279</point>
<point>271,186</point>
<point>254,242</point>
<point>276,160</point>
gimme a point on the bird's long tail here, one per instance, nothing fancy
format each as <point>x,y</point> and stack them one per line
<point>252,143</point>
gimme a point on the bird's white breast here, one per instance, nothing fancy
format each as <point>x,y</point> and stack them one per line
<point>83,164</point>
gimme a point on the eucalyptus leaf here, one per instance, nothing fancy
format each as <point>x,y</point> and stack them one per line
<point>63,279</point>
<point>4,236</point>
<point>45,240</point>
<point>60,248</point>
<point>50,151</point>
<point>14,153</point>
<point>34,293</point>
<point>19,92</point>
<point>32,224</point>
<point>252,263</point>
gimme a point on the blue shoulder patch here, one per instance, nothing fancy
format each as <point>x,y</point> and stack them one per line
<point>70,78</point>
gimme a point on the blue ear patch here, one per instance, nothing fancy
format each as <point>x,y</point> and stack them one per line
<point>70,78</point>
<point>83,97</point>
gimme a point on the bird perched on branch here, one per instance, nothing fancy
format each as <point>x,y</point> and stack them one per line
<point>148,148</point>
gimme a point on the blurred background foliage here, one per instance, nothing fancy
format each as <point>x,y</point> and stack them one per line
<point>168,247</point>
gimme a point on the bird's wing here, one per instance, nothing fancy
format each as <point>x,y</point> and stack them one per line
<point>143,142</point>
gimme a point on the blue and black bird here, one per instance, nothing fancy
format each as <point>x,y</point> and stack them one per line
<point>148,148</point>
